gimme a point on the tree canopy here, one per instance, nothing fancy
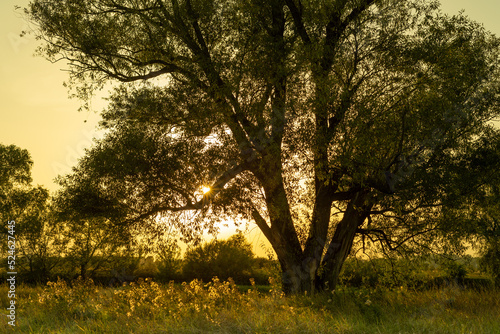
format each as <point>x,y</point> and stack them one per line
<point>37,241</point>
<point>15,179</point>
<point>316,120</point>
<point>15,168</point>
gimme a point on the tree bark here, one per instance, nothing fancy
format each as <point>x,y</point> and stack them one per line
<point>341,244</point>
<point>318,233</point>
<point>83,270</point>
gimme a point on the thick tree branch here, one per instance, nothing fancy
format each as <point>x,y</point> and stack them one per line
<point>262,224</point>
<point>335,29</point>
<point>278,104</point>
<point>150,75</point>
<point>297,18</point>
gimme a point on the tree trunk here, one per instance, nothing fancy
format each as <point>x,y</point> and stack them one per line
<point>307,271</point>
<point>341,244</point>
<point>317,239</point>
<point>298,276</point>
<point>83,270</point>
<point>302,274</point>
<point>304,271</point>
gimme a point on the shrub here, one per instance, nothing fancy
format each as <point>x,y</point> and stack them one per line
<point>456,271</point>
<point>222,258</point>
<point>169,262</point>
<point>490,261</point>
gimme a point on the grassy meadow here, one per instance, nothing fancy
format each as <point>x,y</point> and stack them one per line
<point>223,307</point>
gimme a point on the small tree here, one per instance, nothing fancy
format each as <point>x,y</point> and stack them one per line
<point>15,176</point>
<point>475,216</point>
<point>491,260</point>
<point>222,258</point>
<point>93,244</point>
<point>40,239</point>
<point>489,232</point>
<point>39,242</point>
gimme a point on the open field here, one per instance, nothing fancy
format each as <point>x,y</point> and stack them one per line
<point>220,307</point>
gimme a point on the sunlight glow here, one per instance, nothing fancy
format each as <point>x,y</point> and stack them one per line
<point>205,189</point>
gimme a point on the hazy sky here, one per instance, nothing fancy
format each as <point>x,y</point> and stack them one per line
<point>37,115</point>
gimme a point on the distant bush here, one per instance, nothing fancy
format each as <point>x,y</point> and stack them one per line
<point>222,258</point>
<point>490,262</point>
<point>359,273</point>
<point>169,262</point>
<point>263,269</point>
<point>456,271</point>
<point>416,272</point>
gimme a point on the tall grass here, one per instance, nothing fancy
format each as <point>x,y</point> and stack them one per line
<point>220,307</point>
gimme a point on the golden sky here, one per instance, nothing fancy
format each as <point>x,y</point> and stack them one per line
<point>36,113</point>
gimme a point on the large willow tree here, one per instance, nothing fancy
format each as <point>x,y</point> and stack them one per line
<point>316,120</point>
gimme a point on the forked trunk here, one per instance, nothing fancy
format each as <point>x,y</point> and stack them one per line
<point>302,275</point>
<point>341,244</point>
<point>308,270</point>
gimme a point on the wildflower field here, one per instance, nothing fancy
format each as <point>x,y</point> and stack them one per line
<point>223,307</point>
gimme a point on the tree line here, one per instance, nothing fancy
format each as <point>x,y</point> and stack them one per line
<point>48,246</point>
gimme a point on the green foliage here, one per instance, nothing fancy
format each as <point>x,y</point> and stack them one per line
<point>489,233</point>
<point>221,258</point>
<point>15,177</point>
<point>39,242</point>
<point>419,273</point>
<point>491,261</point>
<point>170,262</point>
<point>385,273</point>
<point>15,169</point>
<point>94,243</point>
<point>475,217</point>
<point>78,299</point>
<point>456,271</point>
